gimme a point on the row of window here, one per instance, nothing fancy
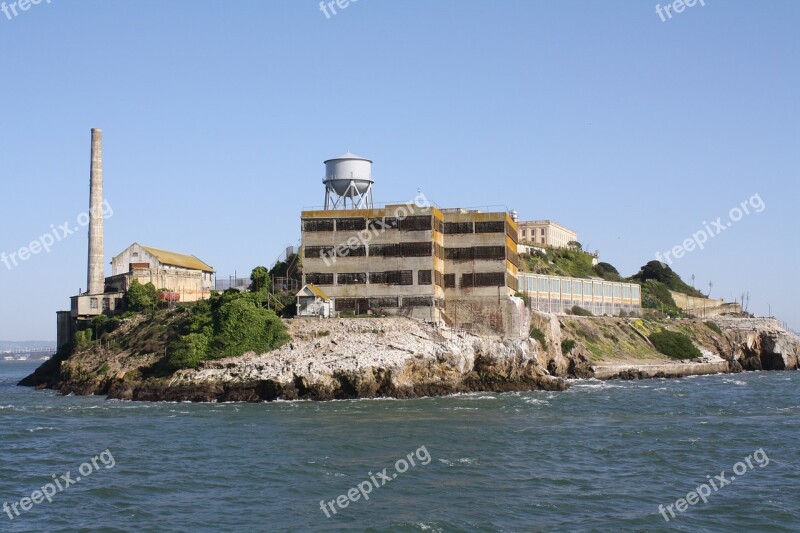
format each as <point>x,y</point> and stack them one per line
<point>493,226</point>
<point>411,223</point>
<point>595,289</point>
<point>476,279</point>
<point>362,305</point>
<point>413,249</point>
<point>391,277</point>
<point>403,249</point>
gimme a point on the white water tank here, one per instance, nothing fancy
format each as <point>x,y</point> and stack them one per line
<point>349,177</point>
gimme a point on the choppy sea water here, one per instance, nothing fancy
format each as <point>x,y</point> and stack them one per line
<point>600,457</point>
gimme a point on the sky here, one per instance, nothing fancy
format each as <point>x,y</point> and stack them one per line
<point>637,133</point>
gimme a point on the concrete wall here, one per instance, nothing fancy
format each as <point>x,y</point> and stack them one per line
<point>708,307</point>
<point>191,285</point>
<point>65,329</point>
<point>507,316</point>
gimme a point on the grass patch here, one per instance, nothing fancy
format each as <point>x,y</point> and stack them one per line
<point>713,327</point>
<point>538,334</point>
<point>675,345</point>
<point>567,345</point>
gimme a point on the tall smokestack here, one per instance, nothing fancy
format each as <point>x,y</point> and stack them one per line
<point>96,281</point>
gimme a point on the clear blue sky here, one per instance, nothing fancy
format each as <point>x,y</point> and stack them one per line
<point>217,117</point>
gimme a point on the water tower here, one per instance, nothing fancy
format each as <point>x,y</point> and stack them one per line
<point>348,177</point>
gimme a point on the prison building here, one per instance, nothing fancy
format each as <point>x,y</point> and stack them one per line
<point>456,266</point>
<point>382,260</point>
<point>481,266</point>
<point>556,294</point>
<point>189,278</point>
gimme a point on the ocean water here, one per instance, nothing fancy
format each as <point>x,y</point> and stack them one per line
<point>600,457</point>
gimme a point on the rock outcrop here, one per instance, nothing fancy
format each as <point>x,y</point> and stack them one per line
<point>402,358</point>
<point>327,359</point>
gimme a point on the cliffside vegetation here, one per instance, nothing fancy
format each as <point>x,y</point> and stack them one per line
<point>226,325</point>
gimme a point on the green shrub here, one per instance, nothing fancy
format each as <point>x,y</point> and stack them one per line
<point>538,334</point>
<point>241,326</point>
<point>577,310</point>
<point>713,327</point>
<point>188,351</point>
<point>675,345</point>
<point>567,345</point>
<point>323,333</point>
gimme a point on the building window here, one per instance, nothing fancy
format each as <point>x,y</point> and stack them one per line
<point>490,279</point>
<point>498,226</point>
<point>319,278</point>
<point>106,304</point>
<point>318,224</point>
<point>416,249</point>
<point>384,250</point>
<point>352,278</point>
<point>93,303</point>
<point>417,301</point>
<point>350,224</point>
<point>392,277</point>
<point>451,228</point>
<point>418,223</point>
<point>380,303</point>
<point>449,281</point>
<point>424,277</point>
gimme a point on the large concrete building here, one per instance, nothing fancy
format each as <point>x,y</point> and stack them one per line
<point>185,275</point>
<point>406,259</point>
<point>450,265</point>
<point>545,233</point>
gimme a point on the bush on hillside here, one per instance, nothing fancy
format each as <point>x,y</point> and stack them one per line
<point>675,345</point>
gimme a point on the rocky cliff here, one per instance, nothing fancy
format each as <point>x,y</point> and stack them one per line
<point>326,359</point>
<point>401,358</point>
<point>606,347</point>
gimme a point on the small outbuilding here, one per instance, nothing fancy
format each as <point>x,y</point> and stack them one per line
<point>312,301</point>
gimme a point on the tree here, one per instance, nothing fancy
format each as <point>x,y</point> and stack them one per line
<point>140,298</point>
<point>607,271</point>
<point>575,245</point>
<point>260,280</point>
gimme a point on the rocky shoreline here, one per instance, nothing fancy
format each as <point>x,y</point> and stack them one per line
<point>402,358</point>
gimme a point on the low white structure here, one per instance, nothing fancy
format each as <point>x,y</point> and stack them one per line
<point>312,301</point>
